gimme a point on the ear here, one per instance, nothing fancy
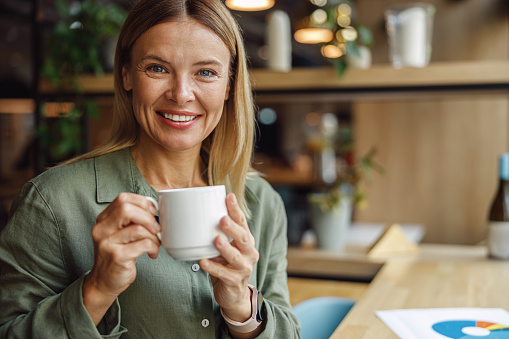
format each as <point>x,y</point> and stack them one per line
<point>126,77</point>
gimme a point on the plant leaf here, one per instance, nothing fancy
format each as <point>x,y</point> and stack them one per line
<point>352,49</point>
<point>339,66</point>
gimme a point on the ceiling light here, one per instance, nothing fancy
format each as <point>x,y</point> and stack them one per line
<point>249,5</point>
<point>313,35</point>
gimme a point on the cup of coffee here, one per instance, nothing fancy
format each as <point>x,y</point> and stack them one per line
<point>189,219</point>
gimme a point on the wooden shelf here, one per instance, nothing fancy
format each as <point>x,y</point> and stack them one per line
<point>287,176</point>
<point>445,75</point>
<point>90,84</point>
<point>385,76</point>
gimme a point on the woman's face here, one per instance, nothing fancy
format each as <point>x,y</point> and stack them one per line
<point>179,81</point>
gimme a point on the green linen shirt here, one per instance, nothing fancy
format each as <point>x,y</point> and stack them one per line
<point>46,250</point>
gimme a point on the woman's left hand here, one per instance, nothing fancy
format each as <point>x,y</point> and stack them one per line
<point>230,271</point>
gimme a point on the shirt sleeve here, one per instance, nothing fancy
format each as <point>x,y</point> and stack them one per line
<point>38,296</point>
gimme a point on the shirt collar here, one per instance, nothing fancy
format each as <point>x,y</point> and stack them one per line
<point>116,172</point>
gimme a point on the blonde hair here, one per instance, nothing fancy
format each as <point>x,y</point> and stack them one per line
<point>229,146</point>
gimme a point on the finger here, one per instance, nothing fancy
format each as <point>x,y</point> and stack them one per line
<point>133,233</point>
<point>242,237</point>
<point>128,198</point>
<point>143,202</point>
<point>231,254</point>
<point>216,270</point>
<point>235,211</point>
<point>125,236</point>
<point>220,260</point>
<point>137,248</point>
<point>126,213</point>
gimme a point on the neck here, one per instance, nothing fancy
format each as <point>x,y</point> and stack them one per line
<point>164,169</point>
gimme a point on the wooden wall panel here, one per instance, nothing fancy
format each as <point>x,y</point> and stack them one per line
<point>441,161</point>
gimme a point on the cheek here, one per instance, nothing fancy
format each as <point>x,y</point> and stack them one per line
<point>215,98</point>
<point>144,93</point>
<point>143,99</point>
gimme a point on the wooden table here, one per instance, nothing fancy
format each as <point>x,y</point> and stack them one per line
<point>440,276</point>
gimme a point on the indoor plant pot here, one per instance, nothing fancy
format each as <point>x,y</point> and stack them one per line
<point>331,209</point>
<point>331,227</point>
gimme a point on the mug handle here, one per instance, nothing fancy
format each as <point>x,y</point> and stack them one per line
<point>156,205</point>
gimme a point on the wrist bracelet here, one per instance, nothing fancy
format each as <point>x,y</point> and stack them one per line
<point>254,321</point>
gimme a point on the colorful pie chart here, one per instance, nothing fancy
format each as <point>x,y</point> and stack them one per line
<point>471,329</point>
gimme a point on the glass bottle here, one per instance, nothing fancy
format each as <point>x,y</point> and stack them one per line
<point>498,226</point>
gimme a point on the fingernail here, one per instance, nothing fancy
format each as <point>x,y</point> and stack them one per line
<point>204,263</point>
<point>220,241</point>
<point>234,199</point>
<point>153,210</point>
<point>157,227</point>
<point>225,222</point>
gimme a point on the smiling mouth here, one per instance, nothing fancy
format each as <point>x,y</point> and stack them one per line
<point>177,117</point>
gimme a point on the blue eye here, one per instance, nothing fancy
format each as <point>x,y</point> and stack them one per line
<point>205,73</point>
<point>157,69</point>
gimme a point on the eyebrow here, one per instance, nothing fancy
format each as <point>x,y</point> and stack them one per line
<point>199,63</point>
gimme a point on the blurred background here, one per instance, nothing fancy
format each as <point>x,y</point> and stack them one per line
<point>436,142</point>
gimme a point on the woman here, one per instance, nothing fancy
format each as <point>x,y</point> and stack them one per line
<point>80,257</point>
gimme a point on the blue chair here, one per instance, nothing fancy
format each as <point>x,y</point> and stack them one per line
<point>319,317</point>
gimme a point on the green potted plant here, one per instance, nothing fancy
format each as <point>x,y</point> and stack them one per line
<point>333,24</point>
<point>351,38</point>
<point>348,183</point>
<point>74,48</point>
<point>331,209</point>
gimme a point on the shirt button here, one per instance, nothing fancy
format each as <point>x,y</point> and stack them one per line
<point>205,322</point>
<point>195,267</point>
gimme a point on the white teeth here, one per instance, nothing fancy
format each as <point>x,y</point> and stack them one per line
<point>176,117</point>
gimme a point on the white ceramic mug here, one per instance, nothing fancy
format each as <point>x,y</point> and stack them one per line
<point>189,219</point>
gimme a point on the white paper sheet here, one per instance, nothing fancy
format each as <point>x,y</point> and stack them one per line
<point>440,323</point>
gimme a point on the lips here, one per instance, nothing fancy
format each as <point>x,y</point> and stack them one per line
<point>178,119</point>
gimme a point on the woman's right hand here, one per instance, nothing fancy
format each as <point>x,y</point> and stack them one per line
<point>125,230</point>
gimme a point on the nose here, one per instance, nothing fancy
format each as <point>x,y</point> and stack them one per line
<point>180,90</point>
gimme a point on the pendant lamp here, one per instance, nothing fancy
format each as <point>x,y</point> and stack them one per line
<point>249,5</point>
<point>314,29</point>
<point>313,35</point>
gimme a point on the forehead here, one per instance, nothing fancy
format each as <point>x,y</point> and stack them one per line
<point>185,38</point>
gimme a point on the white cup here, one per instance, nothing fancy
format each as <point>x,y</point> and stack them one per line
<point>189,219</point>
